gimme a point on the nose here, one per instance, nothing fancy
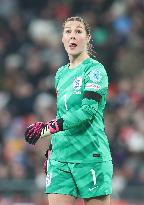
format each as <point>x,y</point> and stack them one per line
<point>72,35</point>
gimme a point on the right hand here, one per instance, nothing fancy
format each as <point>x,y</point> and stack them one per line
<point>41,129</point>
<point>35,131</point>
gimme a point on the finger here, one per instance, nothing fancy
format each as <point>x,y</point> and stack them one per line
<point>29,132</point>
<point>34,140</point>
<point>29,139</point>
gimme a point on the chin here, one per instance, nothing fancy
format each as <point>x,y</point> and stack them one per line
<point>74,53</point>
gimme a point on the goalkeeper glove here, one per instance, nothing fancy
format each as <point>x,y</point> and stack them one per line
<point>40,129</point>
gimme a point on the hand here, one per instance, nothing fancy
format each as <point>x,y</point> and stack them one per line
<point>35,131</point>
<point>40,129</point>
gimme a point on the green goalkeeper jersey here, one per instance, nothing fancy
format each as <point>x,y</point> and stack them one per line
<point>83,138</point>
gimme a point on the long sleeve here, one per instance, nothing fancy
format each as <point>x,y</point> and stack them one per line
<point>95,82</point>
<point>87,112</point>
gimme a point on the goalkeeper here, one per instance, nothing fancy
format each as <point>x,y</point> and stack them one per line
<point>80,163</point>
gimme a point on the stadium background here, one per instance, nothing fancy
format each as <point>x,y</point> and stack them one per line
<point>30,53</point>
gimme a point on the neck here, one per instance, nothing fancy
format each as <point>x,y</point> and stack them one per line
<point>75,60</point>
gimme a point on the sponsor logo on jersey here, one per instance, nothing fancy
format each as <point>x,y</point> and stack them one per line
<point>95,76</point>
<point>77,83</point>
<point>92,86</point>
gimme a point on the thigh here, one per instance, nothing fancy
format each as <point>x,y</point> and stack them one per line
<point>93,179</point>
<point>59,199</point>
<point>59,179</point>
<point>101,200</point>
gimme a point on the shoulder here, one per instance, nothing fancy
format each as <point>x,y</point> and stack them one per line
<point>96,76</point>
<point>59,74</point>
<point>60,71</point>
<point>94,64</point>
<point>96,67</point>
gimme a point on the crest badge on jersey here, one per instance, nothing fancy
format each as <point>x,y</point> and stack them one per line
<point>77,83</point>
<point>95,76</point>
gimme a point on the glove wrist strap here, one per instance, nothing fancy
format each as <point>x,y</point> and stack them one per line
<point>55,125</point>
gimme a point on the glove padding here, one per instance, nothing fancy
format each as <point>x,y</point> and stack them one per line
<point>35,131</point>
<point>40,129</point>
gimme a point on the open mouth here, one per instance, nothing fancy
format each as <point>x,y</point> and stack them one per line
<point>73,45</point>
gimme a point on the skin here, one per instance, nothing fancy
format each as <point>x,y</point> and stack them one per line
<point>74,32</point>
<point>60,199</point>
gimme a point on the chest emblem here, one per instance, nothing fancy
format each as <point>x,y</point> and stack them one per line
<point>77,83</point>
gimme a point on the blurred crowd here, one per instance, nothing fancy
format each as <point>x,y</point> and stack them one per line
<point>31,52</point>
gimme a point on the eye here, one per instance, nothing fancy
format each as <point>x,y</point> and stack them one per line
<point>78,31</point>
<point>68,31</point>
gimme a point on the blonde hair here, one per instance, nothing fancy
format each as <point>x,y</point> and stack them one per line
<point>90,49</point>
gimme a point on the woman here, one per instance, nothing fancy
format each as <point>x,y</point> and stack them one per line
<point>80,163</point>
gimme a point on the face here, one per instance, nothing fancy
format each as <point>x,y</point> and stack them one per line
<point>75,38</point>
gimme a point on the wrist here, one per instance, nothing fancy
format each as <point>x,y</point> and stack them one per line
<point>52,127</point>
<point>55,125</point>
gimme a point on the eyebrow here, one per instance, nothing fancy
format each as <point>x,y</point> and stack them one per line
<point>76,27</point>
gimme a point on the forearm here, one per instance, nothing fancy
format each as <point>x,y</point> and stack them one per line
<point>70,120</point>
<point>85,113</point>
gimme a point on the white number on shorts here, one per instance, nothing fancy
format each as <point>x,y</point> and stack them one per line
<point>93,176</point>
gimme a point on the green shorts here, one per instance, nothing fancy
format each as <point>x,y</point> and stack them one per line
<point>83,180</point>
